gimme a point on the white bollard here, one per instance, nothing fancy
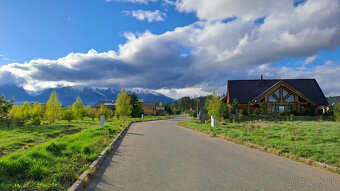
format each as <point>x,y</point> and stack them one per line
<point>102,120</point>
<point>213,121</point>
<point>142,116</point>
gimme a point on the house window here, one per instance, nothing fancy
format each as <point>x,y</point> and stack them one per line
<point>272,99</point>
<point>278,108</point>
<point>277,93</point>
<point>281,108</point>
<point>284,93</point>
<point>291,98</point>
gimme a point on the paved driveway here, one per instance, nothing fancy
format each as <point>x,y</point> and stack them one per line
<point>158,155</point>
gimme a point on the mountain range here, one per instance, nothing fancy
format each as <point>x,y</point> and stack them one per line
<point>67,95</point>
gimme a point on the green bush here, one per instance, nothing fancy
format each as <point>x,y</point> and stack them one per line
<point>337,112</point>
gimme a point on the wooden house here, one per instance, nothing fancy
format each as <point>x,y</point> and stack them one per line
<point>149,108</point>
<point>108,104</point>
<point>303,95</point>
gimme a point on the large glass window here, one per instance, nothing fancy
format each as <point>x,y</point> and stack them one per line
<point>291,98</point>
<point>277,93</point>
<point>271,98</point>
<point>284,93</point>
<point>281,108</point>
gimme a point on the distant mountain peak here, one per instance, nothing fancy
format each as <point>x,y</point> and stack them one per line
<point>67,95</point>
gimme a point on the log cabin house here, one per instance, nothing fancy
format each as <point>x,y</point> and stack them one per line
<point>152,109</point>
<point>149,108</point>
<point>303,95</point>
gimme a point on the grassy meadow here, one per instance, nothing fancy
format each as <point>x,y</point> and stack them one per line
<point>52,156</point>
<point>315,140</point>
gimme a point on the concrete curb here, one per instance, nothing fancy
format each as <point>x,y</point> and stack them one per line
<point>79,184</point>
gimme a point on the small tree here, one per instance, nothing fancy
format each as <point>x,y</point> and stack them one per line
<point>256,111</point>
<point>337,112</point>
<point>91,112</point>
<point>103,111</point>
<point>53,108</point>
<point>5,106</point>
<point>264,108</point>
<point>137,109</point>
<point>37,113</point>
<point>214,106</point>
<point>123,105</point>
<point>225,111</point>
<point>68,115</point>
<point>78,109</point>
<point>234,105</point>
<point>17,114</point>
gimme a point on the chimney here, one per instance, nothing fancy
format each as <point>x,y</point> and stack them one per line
<point>261,77</point>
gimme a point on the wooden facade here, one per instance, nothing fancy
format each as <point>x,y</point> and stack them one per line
<point>277,97</point>
<point>149,110</point>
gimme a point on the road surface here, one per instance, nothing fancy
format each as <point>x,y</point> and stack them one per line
<point>159,155</point>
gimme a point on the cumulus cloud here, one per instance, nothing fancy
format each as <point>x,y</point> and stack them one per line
<point>239,48</point>
<point>326,74</point>
<point>147,15</point>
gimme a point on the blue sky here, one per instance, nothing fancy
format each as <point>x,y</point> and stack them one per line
<point>184,47</point>
<point>52,29</point>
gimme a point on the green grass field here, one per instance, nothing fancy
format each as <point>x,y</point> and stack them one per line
<point>51,157</point>
<point>315,140</point>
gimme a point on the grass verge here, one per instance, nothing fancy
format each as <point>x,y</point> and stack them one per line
<point>57,163</point>
<point>312,142</point>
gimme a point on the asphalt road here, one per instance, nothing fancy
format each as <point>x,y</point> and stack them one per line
<point>158,155</point>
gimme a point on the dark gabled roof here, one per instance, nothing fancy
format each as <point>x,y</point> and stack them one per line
<point>246,90</point>
<point>150,104</point>
<point>332,101</point>
<point>108,104</point>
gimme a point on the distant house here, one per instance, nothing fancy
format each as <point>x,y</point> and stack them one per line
<point>107,104</point>
<point>160,111</point>
<point>303,94</point>
<point>149,108</point>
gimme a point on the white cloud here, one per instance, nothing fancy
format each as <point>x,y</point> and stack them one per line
<point>219,51</point>
<point>222,9</point>
<point>181,92</point>
<point>309,60</point>
<point>147,15</point>
<point>326,74</point>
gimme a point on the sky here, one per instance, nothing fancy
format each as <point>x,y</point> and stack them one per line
<point>178,48</point>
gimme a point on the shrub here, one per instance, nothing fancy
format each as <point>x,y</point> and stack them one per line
<point>256,111</point>
<point>68,115</point>
<point>240,115</point>
<point>264,108</point>
<point>337,112</point>
<point>91,112</point>
<point>36,121</point>
<point>78,109</point>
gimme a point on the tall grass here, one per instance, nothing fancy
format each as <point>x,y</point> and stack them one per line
<point>57,163</point>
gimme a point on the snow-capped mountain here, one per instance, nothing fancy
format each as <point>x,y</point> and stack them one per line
<point>67,95</point>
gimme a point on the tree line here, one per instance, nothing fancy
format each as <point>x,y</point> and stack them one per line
<point>127,105</point>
